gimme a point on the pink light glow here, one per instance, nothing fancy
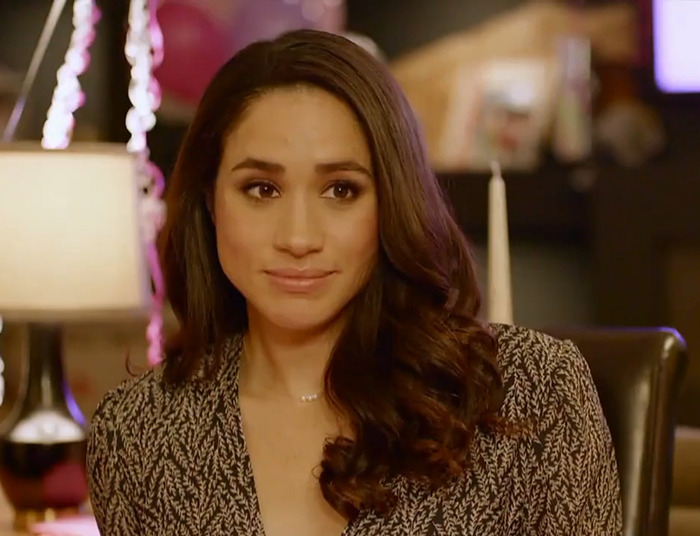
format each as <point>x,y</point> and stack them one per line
<point>676,45</point>
<point>74,526</point>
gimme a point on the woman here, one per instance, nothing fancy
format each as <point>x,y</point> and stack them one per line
<point>330,375</point>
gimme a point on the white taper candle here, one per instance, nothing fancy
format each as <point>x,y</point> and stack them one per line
<point>500,302</point>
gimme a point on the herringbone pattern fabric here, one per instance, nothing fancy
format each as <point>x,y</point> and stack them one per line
<point>173,461</point>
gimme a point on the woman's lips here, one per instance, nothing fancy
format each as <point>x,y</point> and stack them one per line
<point>298,281</point>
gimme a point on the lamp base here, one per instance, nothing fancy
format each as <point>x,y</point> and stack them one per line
<point>44,441</point>
<point>41,481</point>
<point>24,519</point>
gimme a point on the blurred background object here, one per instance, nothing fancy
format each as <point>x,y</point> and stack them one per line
<point>78,257</point>
<point>451,83</point>
<point>202,34</point>
<point>676,41</point>
<point>81,253</point>
<point>10,83</point>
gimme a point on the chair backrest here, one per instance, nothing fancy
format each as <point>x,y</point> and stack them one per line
<point>637,373</point>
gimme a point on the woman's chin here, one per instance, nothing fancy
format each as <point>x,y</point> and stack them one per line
<point>302,323</point>
<point>305,319</point>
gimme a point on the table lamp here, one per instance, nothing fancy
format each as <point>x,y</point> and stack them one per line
<point>70,249</point>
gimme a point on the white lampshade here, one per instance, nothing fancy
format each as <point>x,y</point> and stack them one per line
<point>70,239</point>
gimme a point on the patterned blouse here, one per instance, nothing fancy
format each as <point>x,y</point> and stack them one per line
<point>173,461</point>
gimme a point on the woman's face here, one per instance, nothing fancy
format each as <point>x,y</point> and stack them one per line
<point>295,208</point>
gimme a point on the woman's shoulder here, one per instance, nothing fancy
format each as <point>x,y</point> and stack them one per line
<point>132,402</point>
<point>151,404</point>
<point>560,476</point>
<point>119,428</point>
<point>536,367</point>
<point>522,347</point>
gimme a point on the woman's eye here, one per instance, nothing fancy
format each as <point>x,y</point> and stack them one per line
<point>262,190</point>
<point>341,190</point>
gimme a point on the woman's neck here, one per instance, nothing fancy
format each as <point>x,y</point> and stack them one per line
<point>285,364</point>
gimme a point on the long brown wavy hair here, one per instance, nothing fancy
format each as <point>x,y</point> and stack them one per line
<point>414,373</point>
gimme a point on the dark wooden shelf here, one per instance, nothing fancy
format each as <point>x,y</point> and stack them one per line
<point>541,204</point>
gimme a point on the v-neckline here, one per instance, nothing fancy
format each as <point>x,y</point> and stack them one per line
<point>256,514</point>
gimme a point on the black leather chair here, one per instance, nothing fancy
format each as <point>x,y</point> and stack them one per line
<point>637,373</point>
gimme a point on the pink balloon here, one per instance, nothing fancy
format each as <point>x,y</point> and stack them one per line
<point>195,46</point>
<point>266,19</point>
<point>199,36</point>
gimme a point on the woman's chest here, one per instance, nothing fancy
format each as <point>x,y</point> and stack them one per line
<point>205,476</point>
<point>216,495</point>
<point>285,459</point>
<point>194,478</point>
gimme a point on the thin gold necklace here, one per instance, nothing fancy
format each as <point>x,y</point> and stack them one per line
<point>306,399</point>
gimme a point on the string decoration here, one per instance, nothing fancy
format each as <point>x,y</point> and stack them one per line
<point>144,52</point>
<point>68,96</point>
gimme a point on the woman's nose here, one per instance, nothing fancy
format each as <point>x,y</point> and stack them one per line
<point>299,231</point>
